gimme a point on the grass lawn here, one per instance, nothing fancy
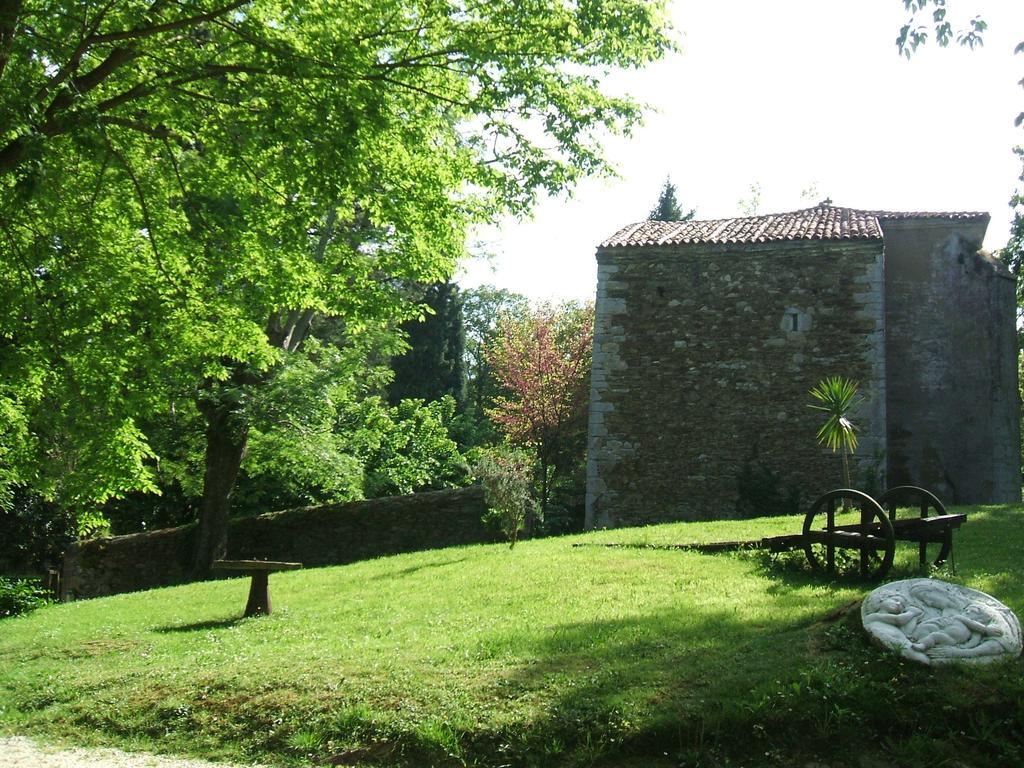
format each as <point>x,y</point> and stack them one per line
<point>543,655</point>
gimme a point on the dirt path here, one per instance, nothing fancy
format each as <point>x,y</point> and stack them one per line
<point>18,752</point>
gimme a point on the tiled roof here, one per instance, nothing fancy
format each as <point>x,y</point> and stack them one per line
<point>823,222</point>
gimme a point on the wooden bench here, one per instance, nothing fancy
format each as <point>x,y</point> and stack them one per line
<point>926,528</point>
<point>873,538</point>
<point>878,530</point>
<point>259,589</point>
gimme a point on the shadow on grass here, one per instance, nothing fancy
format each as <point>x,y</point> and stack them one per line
<point>709,690</point>
<point>390,575</point>
<point>199,626</point>
<point>699,686</point>
<point>789,571</point>
<point>662,684</point>
<point>986,547</point>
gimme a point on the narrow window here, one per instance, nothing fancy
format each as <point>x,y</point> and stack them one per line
<point>795,320</point>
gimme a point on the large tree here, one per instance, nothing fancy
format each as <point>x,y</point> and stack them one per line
<point>185,186</point>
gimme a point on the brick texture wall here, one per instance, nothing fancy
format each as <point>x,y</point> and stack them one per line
<point>703,359</point>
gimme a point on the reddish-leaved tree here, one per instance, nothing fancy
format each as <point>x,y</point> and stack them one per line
<point>542,362</point>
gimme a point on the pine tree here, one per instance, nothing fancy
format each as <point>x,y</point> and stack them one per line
<point>434,365</point>
<point>668,208</point>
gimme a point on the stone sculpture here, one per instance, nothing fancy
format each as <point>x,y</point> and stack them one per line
<point>934,622</point>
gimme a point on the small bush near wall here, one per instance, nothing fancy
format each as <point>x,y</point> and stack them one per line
<point>762,492</point>
<point>19,596</point>
<point>506,480</point>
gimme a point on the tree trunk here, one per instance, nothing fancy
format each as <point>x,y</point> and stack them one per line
<point>227,430</point>
<point>226,439</point>
<point>531,518</point>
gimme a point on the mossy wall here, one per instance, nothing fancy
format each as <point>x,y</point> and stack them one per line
<point>332,534</point>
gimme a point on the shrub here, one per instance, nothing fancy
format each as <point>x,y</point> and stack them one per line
<point>405,448</point>
<point>762,492</point>
<point>506,478</point>
<point>33,533</point>
<point>19,596</point>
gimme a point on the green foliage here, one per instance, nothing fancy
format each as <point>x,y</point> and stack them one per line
<point>281,472</point>
<point>185,186</point>
<point>482,310</point>
<point>298,451</point>
<point>317,434</point>
<point>148,512</point>
<point>506,477</point>
<point>567,494</point>
<point>92,523</point>
<point>667,208</point>
<point>33,533</point>
<point>838,398</point>
<point>18,596</point>
<point>342,446</point>
<point>915,33</point>
<point>404,448</point>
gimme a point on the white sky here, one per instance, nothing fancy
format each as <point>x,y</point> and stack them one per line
<point>789,94</point>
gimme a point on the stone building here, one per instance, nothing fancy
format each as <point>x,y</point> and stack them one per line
<point>709,336</point>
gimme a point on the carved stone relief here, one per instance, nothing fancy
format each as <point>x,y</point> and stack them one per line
<point>934,622</point>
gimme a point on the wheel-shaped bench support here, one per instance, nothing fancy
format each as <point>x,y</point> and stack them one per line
<point>933,526</point>
<point>874,533</point>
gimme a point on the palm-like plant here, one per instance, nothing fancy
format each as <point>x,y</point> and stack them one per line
<point>838,398</point>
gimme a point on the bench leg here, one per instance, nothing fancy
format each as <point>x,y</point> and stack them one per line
<point>947,546</point>
<point>259,595</point>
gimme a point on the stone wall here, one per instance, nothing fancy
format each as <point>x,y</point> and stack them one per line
<point>315,536</point>
<point>954,425</point>
<point>703,359</point>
